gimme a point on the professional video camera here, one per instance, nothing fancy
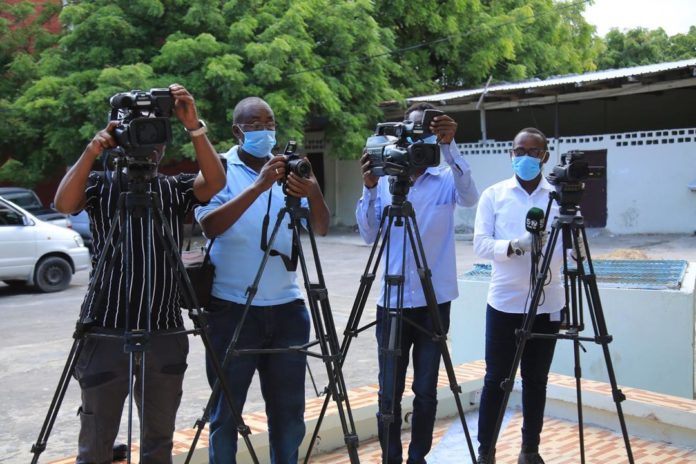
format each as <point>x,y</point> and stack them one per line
<point>144,120</point>
<point>568,176</point>
<point>398,148</point>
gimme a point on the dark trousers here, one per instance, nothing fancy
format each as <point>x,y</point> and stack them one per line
<point>501,344</point>
<point>281,375</point>
<point>392,378</point>
<point>102,371</point>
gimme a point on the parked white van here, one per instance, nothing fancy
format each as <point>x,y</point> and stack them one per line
<point>34,252</point>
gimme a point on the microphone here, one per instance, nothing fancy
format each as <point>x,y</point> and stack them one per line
<point>535,225</point>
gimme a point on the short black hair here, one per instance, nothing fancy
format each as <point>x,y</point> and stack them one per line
<point>535,131</point>
<point>240,110</point>
<point>418,106</point>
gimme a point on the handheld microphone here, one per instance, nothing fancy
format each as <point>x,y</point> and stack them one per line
<point>535,225</point>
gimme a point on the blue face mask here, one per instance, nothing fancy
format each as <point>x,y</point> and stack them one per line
<point>526,167</point>
<point>259,143</point>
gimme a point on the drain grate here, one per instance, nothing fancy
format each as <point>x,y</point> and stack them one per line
<point>618,273</point>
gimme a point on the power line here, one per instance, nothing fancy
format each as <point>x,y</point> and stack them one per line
<point>433,42</point>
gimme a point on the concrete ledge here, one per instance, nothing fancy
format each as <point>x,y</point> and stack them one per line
<point>654,416</point>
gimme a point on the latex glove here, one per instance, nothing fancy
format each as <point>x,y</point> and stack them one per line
<point>522,245</point>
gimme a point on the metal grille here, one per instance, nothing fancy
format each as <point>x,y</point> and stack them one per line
<point>617,273</point>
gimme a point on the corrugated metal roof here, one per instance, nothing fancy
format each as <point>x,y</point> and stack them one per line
<point>562,80</point>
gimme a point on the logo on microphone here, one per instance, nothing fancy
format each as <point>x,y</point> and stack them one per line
<point>533,224</point>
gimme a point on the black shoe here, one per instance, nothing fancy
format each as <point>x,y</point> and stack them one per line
<point>483,459</point>
<point>120,452</point>
<point>529,458</point>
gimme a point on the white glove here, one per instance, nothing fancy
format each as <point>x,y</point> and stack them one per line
<point>522,245</point>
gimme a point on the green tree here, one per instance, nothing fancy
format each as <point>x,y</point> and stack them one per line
<point>642,46</point>
<point>305,57</point>
<point>460,43</point>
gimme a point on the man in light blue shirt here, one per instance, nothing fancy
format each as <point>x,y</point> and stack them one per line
<point>434,193</point>
<point>278,317</point>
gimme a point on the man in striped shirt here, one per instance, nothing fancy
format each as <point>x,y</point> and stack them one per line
<point>103,368</point>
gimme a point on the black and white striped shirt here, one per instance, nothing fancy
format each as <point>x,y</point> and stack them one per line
<point>176,199</point>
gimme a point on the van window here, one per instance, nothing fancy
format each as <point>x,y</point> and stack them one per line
<point>10,217</point>
<point>27,200</point>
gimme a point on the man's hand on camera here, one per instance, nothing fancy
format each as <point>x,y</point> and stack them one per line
<point>103,140</point>
<point>184,106</point>
<point>298,186</point>
<point>444,127</point>
<point>272,171</point>
<point>368,179</point>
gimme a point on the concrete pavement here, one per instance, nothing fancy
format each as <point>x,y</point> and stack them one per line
<point>37,332</point>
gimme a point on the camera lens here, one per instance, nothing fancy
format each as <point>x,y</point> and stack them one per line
<point>300,167</point>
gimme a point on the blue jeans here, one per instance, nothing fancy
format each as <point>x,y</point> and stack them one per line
<point>392,378</point>
<point>501,345</point>
<point>282,375</point>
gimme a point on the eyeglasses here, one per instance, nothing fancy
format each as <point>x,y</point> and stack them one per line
<point>258,126</point>
<point>533,152</point>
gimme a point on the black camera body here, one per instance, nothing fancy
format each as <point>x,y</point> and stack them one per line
<point>144,117</point>
<point>295,164</point>
<point>397,149</point>
<point>574,168</point>
<point>568,179</point>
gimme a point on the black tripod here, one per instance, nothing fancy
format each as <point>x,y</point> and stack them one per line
<point>322,319</point>
<point>136,201</point>
<point>401,214</point>
<point>571,227</point>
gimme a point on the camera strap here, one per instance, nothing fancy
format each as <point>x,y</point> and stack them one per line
<point>289,262</point>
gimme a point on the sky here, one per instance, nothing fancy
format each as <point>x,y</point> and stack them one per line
<point>674,16</point>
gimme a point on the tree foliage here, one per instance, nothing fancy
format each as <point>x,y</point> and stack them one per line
<point>641,46</point>
<point>323,63</point>
<point>461,43</point>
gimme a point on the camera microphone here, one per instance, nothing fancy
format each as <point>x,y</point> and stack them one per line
<point>535,225</point>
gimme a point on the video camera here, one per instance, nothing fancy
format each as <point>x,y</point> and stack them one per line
<point>574,168</point>
<point>568,176</point>
<point>398,149</point>
<point>140,132</point>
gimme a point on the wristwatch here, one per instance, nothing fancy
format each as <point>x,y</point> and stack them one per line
<point>202,129</point>
<point>516,249</point>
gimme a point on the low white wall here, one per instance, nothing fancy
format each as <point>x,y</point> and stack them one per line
<point>648,178</point>
<point>653,330</point>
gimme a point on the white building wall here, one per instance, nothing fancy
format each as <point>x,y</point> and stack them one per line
<point>648,178</point>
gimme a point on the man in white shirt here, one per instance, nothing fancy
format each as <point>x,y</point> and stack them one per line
<point>500,235</point>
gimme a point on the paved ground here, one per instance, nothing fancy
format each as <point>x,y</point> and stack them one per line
<point>37,329</point>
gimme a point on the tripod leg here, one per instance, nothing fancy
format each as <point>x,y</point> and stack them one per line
<point>40,445</point>
<point>201,323</point>
<point>524,335</point>
<point>602,336</point>
<point>425,275</point>
<point>325,331</point>
<point>578,389</point>
<point>353,325</point>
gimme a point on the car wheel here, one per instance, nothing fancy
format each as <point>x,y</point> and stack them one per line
<point>53,274</point>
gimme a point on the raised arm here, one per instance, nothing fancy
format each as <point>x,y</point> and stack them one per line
<point>70,196</point>
<point>211,178</point>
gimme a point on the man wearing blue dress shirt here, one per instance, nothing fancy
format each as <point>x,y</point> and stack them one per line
<point>278,317</point>
<point>434,193</point>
